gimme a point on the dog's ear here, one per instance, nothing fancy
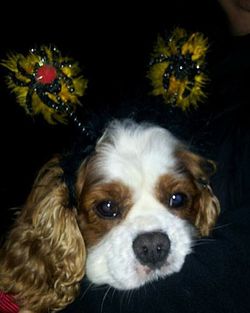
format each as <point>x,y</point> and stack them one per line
<point>206,204</point>
<point>43,259</point>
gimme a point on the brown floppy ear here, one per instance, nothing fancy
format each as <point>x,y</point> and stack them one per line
<point>43,259</point>
<point>206,204</point>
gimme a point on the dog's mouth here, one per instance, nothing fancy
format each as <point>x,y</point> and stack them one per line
<point>146,273</point>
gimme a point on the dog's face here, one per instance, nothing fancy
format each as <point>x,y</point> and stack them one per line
<point>142,199</point>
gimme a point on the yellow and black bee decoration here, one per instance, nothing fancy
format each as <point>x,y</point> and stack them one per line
<point>177,68</point>
<point>46,83</point>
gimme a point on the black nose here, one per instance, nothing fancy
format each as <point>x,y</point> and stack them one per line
<point>151,248</point>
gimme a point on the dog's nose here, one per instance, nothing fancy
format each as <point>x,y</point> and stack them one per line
<point>151,248</point>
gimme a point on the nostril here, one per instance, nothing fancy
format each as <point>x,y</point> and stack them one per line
<point>151,248</point>
<point>145,250</point>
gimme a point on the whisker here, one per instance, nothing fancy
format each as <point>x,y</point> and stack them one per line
<point>201,242</point>
<point>90,286</point>
<point>113,293</point>
<point>129,296</point>
<point>104,297</point>
<point>99,287</point>
<point>125,298</point>
<point>222,226</point>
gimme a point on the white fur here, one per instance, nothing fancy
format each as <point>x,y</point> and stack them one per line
<point>137,156</point>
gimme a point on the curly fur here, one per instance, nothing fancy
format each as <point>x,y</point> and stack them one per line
<point>207,204</point>
<point>43,260</point>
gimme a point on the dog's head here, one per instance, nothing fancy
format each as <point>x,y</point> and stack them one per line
<point>141,197</point>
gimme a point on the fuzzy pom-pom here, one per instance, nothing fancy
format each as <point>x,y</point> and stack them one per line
<point>46,83</point>
<point>177,68</point>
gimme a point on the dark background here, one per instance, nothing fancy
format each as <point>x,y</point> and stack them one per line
<point>112,43</point>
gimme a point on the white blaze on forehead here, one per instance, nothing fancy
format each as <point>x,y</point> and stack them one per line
<point>136,154</point>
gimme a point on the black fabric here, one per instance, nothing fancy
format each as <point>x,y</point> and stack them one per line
<point>70,162</point>
<point>216,276</point>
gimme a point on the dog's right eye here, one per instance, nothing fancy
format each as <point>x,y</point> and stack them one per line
<point>177,200</point>
<point>107,209</point>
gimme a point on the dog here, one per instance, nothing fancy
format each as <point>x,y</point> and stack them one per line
<point>141,197</point>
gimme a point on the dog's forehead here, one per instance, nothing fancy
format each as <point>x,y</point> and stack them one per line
<point>136,155</point>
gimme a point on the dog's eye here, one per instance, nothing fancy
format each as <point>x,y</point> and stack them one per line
<point>177,200</point>
<point>107,209</point>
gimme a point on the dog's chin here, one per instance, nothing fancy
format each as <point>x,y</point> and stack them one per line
<point>145,274</point>
<point>138,276</point>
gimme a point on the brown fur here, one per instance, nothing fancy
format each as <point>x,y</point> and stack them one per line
<point>206,204</point>
<point>42,261</point>
<point>94,227</point>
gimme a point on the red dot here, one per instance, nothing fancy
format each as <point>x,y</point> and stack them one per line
<point>46,74</point>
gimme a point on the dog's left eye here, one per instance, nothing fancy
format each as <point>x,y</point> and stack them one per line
<point>107,209</point>
<point>177,200</point>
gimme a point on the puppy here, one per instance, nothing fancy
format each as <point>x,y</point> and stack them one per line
<point>140,199</point>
